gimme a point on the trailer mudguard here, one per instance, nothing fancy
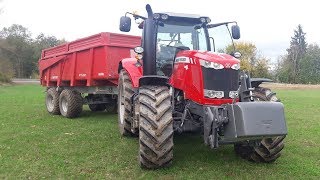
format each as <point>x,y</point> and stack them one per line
<point>254,120</point>
<point>133,68</point>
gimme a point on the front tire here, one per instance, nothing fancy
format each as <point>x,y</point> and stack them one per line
<point>70,103</point>
<point>155,127</point>
<point>268,149</point>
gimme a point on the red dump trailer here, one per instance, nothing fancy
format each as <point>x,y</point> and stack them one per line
<point>84,71</point>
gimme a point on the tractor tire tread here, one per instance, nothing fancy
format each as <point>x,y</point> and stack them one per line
<point>156,127</point>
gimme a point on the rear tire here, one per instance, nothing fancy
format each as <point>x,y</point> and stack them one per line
<point>155,127</point>
<point>124,103</point>
<point>52,101</point>
<point>97,107</point>
<point>70,103</point>
<point>269,149</point>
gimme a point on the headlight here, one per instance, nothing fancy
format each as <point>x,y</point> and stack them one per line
<point>203,20</point>
<point>236,66</point>
<point>237,55</point>
<point>156,16</point>
<point>164,16</point>
<point>213,94</point>
<point>208,20</point>
<point>138,49</point>
<point>208,64</point>
<point>217,66</point>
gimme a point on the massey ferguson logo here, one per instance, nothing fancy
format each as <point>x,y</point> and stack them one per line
<point>227,65</point>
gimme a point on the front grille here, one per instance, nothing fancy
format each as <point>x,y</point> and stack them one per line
<point>225,80</point>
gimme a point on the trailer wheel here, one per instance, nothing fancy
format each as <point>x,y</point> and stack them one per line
<point>111,108</point>
<point>97,107</point>
<point>52,101</point>
<point>155,127</point>
<point>268,149</point>
<point>124,103</point>
<point>70,103</point>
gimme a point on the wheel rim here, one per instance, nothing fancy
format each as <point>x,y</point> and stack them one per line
<point>50,103</point>
<point>121,105</point>
<point>64,104</point>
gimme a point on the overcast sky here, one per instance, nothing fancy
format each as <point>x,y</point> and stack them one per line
<point>267,23</point>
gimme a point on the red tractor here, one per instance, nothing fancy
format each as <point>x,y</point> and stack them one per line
<point>179,82</point>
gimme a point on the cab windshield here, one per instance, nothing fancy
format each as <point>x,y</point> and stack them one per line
<point>174,36</point>
<point>220,38</point>
<point>187,36</point>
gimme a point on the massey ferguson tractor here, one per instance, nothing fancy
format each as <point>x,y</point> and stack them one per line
<point>179,81</point>
<point>172,79</point>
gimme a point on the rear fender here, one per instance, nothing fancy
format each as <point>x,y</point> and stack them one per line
<point>255,82</point>
<point>133,68</point>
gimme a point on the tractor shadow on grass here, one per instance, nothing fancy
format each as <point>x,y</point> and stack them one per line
<point>100,116</point>
<point>190,148</point>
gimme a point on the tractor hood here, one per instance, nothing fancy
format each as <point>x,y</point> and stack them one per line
<point>225,59</point>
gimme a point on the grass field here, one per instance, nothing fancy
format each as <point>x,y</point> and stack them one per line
<point>34,144</point>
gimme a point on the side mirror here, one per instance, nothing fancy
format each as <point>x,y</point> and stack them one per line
<point>125,24</point>
<point>235,29</point>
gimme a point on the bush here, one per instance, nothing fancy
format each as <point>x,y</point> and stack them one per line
<point>6,70</point>
<point>4,78</point>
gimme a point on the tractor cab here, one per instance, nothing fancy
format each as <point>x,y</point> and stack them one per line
<point>166,34</point>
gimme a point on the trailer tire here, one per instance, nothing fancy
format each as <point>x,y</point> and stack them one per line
<point>155,127</point>
<point>70,103</point>
<point>124,103</point>
<point>52,101</point>
<point>111,108</point>
<point>269,149</point>
<point>97,107</point>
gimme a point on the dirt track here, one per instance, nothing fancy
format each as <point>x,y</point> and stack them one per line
<point>290,86</point>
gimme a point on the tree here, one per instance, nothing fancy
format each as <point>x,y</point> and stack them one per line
<point>19,49</point>
<point>250,60</point>
<point>6,70</point>
<point>296,52</point>
<point>296,65</point>
<point>42,42</point>
<point>310,66</point>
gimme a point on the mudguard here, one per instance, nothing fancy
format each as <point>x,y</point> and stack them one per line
<point>154,81</point>
<point>133,68</point>
<point>255,82</point>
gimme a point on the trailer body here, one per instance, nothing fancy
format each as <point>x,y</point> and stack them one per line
<point>86,62</point>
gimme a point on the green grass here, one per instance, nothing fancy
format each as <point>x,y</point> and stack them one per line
<point>34,144</point>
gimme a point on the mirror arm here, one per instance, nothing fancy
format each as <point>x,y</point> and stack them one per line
<point>214,46</point>
<point>219,24</point>
<point>136,16</point>
<point>234,47</point>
